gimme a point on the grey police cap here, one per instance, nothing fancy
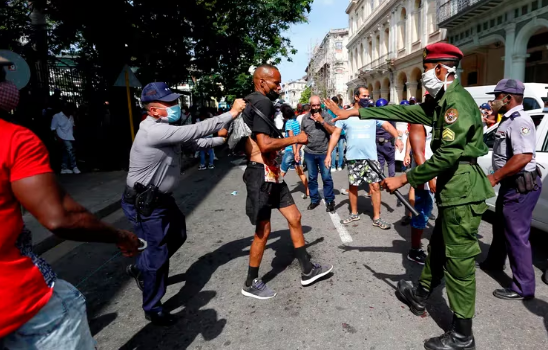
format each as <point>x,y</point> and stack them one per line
<point>509,86</point>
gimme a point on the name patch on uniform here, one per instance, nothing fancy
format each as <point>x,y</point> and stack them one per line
<point>525,131</point>
<point>448,135</point>
<point>451,115</point>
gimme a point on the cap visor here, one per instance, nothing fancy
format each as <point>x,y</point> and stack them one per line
<point>493,92</point>
<point>169,98</point>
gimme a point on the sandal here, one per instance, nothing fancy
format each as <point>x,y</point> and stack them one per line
<point>380,223</point>
<point>352,217</point>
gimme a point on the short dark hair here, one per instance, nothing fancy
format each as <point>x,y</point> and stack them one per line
<point>518,98</point>
<point>306,107</point>
<point>357,90</point>
<point>287,112</point>
<point>335,99</point>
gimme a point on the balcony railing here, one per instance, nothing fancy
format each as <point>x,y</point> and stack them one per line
<point>452,13</point>
<point>376,63</point>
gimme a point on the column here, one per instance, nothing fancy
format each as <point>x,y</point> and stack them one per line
<point>398,96</point>
<point>384,93</point>
<point>518,67</point>
<point>381,44</point>
<point>411,89</point>
<point>509,48</point>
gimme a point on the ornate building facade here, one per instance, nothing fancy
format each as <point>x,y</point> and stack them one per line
<point>385,46</point>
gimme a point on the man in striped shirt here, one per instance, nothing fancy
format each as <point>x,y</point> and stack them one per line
<point>291,156</point>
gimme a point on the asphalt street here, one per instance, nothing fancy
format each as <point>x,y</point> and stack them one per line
<point>354,308</point>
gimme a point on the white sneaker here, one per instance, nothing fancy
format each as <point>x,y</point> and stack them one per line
<point>66,171</point>
<point>333,169</point>
<point>76,170</point>
<point>339,169</point>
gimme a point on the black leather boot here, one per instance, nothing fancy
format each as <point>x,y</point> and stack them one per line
<point>414,297</point>
<point>460,337</point>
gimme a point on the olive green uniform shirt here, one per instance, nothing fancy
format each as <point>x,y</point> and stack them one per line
<point>457,137</point>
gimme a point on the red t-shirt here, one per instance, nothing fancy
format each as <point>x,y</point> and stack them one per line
<point>23,290</point>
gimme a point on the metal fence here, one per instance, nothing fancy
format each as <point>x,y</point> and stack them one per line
<point>70,78</point>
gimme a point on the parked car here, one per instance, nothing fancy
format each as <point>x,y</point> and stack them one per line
<point>540,214</point>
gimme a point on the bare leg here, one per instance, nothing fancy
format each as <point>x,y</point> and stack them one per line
<point>293,217</point>
<point>376,200</point>
<point>304,178</point>
<point>259,242</point>
<point>353,197</point>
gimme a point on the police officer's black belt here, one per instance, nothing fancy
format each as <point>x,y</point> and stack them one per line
<point>130,194</point>
<point>523,182</point>
<point>468,160</point>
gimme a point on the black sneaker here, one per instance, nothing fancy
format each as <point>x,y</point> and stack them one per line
<point>330,207</point>
<point>133,271</point>
<point>315,274</point>
<point>417,255</point>
<point>313,206</point>
<point>406,220</point>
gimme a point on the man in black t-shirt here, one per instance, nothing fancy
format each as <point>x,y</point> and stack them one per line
<point>266,189</point>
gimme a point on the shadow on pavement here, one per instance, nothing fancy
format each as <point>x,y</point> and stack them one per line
<point>192,321</point>
<point>201,271</point>
<point>538,307</point>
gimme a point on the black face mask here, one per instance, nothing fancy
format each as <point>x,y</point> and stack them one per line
<point>315,110</point>
<point>364,102</point>
<point>272,95</point>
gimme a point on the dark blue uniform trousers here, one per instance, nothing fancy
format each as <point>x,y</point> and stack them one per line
<point>387,153</point>
<point>165,232</point>
<point>511,230</point>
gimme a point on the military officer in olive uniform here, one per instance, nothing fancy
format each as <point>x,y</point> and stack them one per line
<point>462,189</point>
<point>516,170</point>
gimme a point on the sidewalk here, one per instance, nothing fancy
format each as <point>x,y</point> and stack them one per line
<point>99,192</point>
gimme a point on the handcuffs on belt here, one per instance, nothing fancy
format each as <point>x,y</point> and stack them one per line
<point>144,198</point>
<point>382,140</point>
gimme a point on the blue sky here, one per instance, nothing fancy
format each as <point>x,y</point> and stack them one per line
<point>325,15</point>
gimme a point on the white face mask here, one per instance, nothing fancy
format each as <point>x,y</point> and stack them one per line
<point>431,82</point>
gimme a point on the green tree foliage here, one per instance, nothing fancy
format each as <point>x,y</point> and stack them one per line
<point>218,40</point>
<point>305,95</point>
<point>14,24</point>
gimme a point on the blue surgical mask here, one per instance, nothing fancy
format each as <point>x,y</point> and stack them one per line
<point>173,113</point>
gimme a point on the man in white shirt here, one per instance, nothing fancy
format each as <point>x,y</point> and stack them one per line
<point>62,125</point>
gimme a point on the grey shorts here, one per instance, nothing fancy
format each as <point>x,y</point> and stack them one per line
<point>359,171</point>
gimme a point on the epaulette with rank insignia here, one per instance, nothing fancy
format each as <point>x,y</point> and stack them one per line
<point>515,115</point>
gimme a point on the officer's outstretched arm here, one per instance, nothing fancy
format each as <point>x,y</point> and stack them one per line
<point>455,134</point>
<point>204,143</point>
<point>165,134</point>
<point>418,114</point>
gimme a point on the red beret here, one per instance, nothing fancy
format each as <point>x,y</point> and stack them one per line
<point>441,52</point>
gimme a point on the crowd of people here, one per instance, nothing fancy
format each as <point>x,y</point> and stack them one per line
<point>445,139</point>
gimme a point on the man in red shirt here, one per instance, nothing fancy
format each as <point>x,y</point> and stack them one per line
<point>40,311</point>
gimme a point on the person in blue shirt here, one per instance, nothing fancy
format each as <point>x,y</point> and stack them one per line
<point>291,156</point>
<point>360,147</point>
<point>340,145</point>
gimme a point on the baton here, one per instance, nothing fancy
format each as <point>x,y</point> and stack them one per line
<point>143,245</point>
<point>396,192</point>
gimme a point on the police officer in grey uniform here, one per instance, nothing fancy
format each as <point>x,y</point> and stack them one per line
<point>154,169</point>
<point>517,172</point>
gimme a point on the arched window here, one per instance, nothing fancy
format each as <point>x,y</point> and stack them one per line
<point>431,17</point>
<point>416,21</point>
<point>362,62</point>
<point>401,31</point>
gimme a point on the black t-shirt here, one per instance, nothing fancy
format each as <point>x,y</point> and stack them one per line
<point>253,120</point>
